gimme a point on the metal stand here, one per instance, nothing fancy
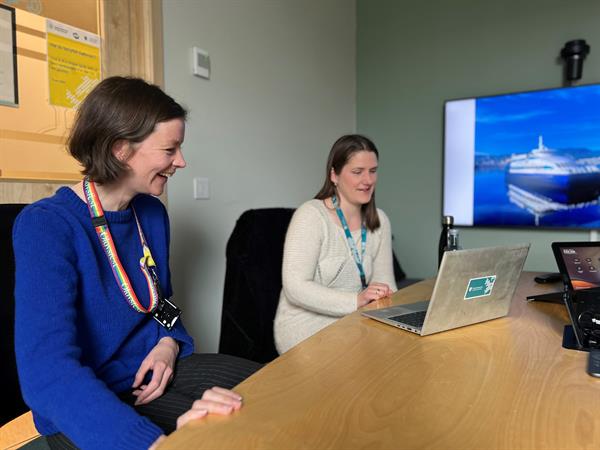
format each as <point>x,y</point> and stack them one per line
<point>552,297</point>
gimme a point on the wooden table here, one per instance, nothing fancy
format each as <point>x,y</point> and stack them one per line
<point>360,384</point>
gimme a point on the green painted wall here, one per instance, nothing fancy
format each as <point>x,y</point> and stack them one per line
<point>412,56</point>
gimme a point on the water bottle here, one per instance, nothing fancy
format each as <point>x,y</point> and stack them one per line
<point>447,223</point>
<point>452,240</point>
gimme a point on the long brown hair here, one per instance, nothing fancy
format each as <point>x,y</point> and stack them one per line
<point>343,149</point>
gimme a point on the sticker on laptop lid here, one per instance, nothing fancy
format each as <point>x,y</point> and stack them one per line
<point>480,287</point>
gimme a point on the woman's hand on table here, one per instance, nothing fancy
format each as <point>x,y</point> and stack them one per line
<point>374,291</point>
<point>214,401</point>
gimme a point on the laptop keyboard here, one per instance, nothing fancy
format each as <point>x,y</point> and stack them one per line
<point>415,319</point>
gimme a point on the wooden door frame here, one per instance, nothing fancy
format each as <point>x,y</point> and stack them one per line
<point>141,53</point>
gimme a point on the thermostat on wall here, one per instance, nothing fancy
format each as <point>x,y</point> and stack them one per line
<point>200,63</point>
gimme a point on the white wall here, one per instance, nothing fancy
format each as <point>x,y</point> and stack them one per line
<point>282,89</point>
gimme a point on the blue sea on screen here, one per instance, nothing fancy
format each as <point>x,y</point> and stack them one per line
<point>492,207</point>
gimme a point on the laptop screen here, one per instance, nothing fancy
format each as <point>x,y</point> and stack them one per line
<point>579,263</point>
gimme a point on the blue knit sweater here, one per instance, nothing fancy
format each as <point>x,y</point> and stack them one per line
<point>78,342</point>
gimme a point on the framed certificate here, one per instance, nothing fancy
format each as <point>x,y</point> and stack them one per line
<point>9,92</point>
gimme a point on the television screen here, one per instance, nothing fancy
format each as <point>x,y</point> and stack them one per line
<point>529,159</point>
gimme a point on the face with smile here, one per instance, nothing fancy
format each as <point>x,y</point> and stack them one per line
<point>357,179</point>
<point>154,160</point>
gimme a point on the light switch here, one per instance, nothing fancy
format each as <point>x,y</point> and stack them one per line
<point>201,188</point>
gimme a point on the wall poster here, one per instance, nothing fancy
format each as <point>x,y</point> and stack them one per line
<point>73,63</point>
<point>9,92</point>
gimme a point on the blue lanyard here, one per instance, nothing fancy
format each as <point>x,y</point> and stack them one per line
<point>363,235</point>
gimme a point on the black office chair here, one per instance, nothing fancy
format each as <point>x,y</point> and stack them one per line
<point>253,283</point>
<point>12,404</point>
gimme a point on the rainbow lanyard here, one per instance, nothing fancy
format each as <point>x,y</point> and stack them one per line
<point>358,259</point>
<point>147,264</point>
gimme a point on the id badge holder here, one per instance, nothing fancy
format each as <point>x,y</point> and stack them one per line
<point>166,313</point>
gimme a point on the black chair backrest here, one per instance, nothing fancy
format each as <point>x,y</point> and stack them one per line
<point>253,283</point>
<point>12,404</point>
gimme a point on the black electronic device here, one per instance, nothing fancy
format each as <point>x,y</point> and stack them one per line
<point>166,313</point>
<point>552,297</point>
<point>593,367</point>
<point>584,332</point>
<point>579,269</point>
<point>574,331</point>
<point>548,278</point>
<point>574,53</point>
<point>584,313</point>
<point>578,263</point>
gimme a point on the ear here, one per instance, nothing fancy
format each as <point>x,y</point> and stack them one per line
<point>333,177</point>
<point>121,150</point>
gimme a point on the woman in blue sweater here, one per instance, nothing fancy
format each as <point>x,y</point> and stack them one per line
<point>103,359</point>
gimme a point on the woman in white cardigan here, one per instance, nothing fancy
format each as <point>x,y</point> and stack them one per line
<point>338,248</point>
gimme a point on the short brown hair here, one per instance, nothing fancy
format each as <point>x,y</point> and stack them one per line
<point>343,149</point>
<point>118,108</point>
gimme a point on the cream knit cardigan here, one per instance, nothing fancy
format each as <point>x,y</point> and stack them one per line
<point>320,278</point>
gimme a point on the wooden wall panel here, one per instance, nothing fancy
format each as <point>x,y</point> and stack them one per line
<point>78,13</point>
<point>26,192</point>
<point>131,32</point>
<point>33,135</point>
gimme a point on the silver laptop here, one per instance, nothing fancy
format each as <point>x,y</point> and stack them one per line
<point>472,286</point>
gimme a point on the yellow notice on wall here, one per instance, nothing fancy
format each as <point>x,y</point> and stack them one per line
<point>73,63</point>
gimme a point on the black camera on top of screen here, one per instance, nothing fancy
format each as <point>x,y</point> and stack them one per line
<point>574,53</point>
